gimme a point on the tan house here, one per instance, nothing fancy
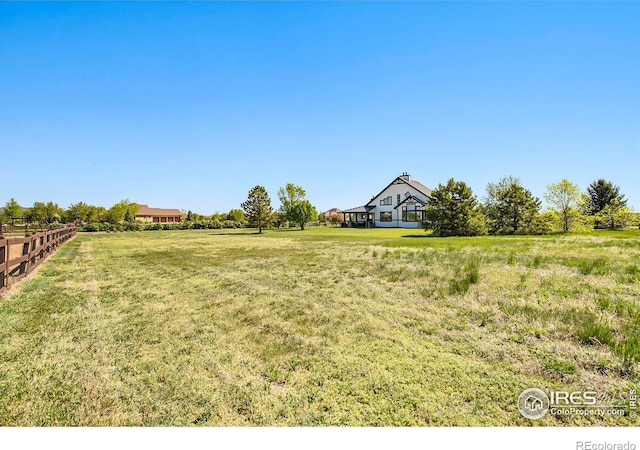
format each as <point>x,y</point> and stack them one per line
<point>158,215</point>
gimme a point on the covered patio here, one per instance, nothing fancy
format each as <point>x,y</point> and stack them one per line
<point>358,217</point>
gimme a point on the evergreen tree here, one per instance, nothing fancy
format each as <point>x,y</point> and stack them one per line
<point>453,210</point>
<point>605,202</point>
<point>128,216</point>
<point>602,193</point>
<point>510,207</point>
<point>258,208</point>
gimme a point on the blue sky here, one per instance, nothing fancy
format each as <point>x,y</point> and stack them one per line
<point>189,105</point>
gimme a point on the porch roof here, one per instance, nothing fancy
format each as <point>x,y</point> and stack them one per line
<point>358,209</point>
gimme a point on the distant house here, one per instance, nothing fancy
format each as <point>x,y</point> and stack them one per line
<point>400,204</point>
<point>158,215</point>
<point>333,213</point>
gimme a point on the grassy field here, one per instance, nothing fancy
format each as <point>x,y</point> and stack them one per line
<point>321,327</point>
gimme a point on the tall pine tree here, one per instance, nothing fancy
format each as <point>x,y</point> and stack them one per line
<point>452,210</point>
<point>602,193</point>
<point>510,207</point>
<point>257,208</point>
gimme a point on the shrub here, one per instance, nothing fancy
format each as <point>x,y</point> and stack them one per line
<point>91,227</point>
<point>133,226</point>
<point>544,223</point>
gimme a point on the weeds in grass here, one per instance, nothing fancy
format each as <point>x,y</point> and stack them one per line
<point>603,302</point>
<point>631,274</point>
<point>560,367</point>
<point>464,277</point>
<point>586,266</point>
<point>536,261</point>
<point>628,349</point>
<point>591,331</point>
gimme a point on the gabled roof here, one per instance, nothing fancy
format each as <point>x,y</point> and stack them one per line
<point>414,184</point>
<point>146,211</point>
<point>420,187</point>
<point>411,198</point>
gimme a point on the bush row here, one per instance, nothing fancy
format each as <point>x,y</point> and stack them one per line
<point>187,225</point>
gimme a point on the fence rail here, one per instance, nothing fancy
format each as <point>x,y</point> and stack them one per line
<point>19,256</point>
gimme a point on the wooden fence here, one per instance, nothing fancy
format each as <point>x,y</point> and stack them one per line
<point>20,255</point>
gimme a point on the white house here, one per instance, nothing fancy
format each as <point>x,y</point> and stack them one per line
<point>400,204</point>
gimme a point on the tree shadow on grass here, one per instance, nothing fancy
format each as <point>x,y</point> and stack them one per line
<point>240,233</point>
<point>252,232</point>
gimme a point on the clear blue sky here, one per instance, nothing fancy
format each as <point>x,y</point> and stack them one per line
<point>189,105</point>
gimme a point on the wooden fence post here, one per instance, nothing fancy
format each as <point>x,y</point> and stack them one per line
<point>4,263</point>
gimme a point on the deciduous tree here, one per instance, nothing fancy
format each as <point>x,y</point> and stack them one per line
<point>37,213</point>
<point>563,198</point>
<point>294,205</point>
<point>302,212</point>
<point>79,212</point>
<point>118,212</point>
<point>236,214</point>
<point>613,215</point>
<point>12,209</point>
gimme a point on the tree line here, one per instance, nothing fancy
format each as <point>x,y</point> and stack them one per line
<point>51,213</point>
<point>509,208</point>
<point>256,212</point>
<point>451,210</point>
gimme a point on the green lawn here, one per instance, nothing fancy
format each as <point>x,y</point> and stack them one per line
<point>321,327</point>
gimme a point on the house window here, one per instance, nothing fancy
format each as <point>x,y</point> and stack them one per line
<point>398,199</point>
<point>385,201</point>
<point>386,216</point>
<point>411,214</point>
